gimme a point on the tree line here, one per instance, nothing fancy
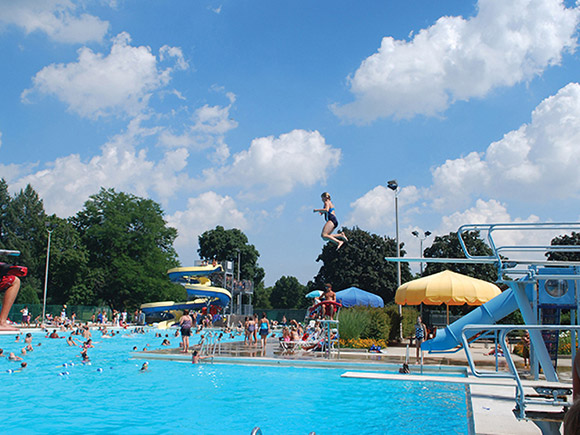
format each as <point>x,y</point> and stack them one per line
<point>117,249</point>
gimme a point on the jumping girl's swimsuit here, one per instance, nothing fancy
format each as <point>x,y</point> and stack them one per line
<point>331,217</point>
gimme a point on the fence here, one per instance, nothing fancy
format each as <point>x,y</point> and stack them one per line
<point>277,314</point>
<point>83,312</point>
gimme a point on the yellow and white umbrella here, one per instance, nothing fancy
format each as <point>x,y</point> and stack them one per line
<point>447,287</point>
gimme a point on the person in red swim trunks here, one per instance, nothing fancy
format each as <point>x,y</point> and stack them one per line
<point>10,285</point>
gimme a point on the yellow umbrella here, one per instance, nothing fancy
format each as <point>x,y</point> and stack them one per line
<point>447,287</point>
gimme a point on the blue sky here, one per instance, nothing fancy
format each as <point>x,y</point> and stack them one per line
<point>240,113</point>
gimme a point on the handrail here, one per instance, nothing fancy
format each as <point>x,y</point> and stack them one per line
<point>504,330</point>
<point>490,228</point>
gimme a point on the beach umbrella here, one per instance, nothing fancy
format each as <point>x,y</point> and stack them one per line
<point>314,294</point>
<point>355,296</point>
<point>447,287</point>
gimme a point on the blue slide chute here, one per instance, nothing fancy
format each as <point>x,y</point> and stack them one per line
<point>488,314</point>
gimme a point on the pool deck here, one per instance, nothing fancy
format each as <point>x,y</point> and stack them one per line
<point>492,401</point>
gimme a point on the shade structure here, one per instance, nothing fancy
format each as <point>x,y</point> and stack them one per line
<point>314,294</point>
<point>355,296</point>
<point>447,287</point>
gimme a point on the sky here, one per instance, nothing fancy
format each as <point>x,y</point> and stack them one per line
<point>241,113</point>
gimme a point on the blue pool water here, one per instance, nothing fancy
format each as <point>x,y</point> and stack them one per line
<point>174,397</point>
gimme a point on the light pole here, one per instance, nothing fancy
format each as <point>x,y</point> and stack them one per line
<point>49,229</point>
<point>239,287</point>
<point>394,186</point>
<point>421,238</point>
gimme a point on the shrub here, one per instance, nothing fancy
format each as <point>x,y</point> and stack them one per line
<point>353,322</point>
<point>379,325</point>
<point>409,318</point>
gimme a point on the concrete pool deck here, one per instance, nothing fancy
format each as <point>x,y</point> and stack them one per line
<point>492,402</point>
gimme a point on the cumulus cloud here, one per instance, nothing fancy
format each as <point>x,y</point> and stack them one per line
<point>494,212</point>
<point>61,20</point>
<point>274,166</point>
<point>458,59</point>
<point>67,183</point>
<point>210,125</point>
<point>375,210</point>
<point>98,85</point>
<point>203,213</point>
<point>522,161</point>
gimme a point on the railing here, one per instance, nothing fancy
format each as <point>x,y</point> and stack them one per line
<point>520,398</point>
<point>504,263</point>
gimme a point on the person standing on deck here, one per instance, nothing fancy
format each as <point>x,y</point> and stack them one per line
<point>185,323</point>
<point>420,335</point>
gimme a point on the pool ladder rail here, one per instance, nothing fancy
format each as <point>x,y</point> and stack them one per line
<point>548,395</point>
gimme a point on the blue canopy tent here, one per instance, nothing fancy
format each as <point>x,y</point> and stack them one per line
<point>355,296</point>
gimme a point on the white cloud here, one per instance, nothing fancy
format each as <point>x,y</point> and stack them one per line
<point>494,212</point>
<point>539,158</point>
<point>457,59</point>
<point>210,125</point>
<point>203,213</point>
<point>274,166</point>
<point>375,210</point>
<point>119,83</point>
<point>68,182</point>
<point>61,20</point>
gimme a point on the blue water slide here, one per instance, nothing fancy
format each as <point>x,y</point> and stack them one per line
<point>219,295</point>
<point>488,314</point>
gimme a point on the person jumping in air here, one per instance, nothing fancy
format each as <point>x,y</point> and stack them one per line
<point>331,222</point>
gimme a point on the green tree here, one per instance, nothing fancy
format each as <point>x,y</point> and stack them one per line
<point>449,247</point>
<point>361,263</point>
<point>68,265</point>
<point>224,245</point>
<point>287,292</point>
<point>130,249</point>
<point>573,239</point>
<point>24,229</point>
<point>4,202</point>
<point>262,297</point>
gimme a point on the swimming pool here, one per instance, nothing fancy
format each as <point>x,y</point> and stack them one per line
<point>208,398</point>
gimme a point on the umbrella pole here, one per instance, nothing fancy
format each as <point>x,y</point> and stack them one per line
<point>447,305</point>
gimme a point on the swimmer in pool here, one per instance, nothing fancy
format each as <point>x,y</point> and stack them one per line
<point>196,357</point>
<point>13,357</point>
<point>331,222</point>
<point>144,367</point>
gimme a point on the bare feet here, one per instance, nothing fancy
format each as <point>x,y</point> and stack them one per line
<point>344,237</point>
<point>339,245</point>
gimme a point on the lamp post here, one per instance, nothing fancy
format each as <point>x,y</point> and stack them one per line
<point>421,238</point>
<point>49,230</point>
<point>239,294</point>
<point>394,186</point>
